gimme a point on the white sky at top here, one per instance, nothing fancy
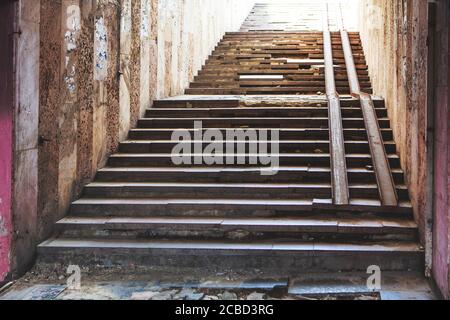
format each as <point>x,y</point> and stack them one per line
<point>350,8</point>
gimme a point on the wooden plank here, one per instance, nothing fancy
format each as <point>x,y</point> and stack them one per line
<point>385,180</point>
<point>337,142</point>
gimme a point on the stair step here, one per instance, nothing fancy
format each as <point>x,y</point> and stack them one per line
<point>227,101</point>
<point>229,174</point>
<point>245,123</point>
<point>321,111</point>
<point>298,146</point>
<point>198,190</point>
<point>216,207</point>
<point>317,133</point>
<point>158,207</point>
<point>237,190</point>
<point>260,90</point>
<point>165,159</point>
<point>306,228</point>
<point>297,256</point>
<point>285,159</point>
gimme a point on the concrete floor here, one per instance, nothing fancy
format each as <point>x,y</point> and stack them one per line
<point>48,283</point>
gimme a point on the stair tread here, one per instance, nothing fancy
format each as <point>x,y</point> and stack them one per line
<point>169,155</point>
<point>231,169</point>
<point>210,169</point>
<point>256,128</point>
<point>246,108</point>
<point>258,246</point>
<point>229,185</point>
<point>293,155</point>
<point>322,107</point>
<point>252,118</point>
<point>248,141</point>
<point>287,222</point>
<point>211,185</point>
<point>193,201</point>
<point>238,202</point>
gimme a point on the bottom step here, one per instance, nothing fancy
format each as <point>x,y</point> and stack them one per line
<point>288,257</point>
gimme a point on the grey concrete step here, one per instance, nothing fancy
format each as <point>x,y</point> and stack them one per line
<point>232,174</point>
<point>290,111</point>
<point>230,190</point>
<point>285,122</point>
<point>227,101</point>
<point>355,160</point>
<point>308,228</point>
<point>284,133</point>
<point>261,90</point>
<point>226,207</point>
<point>285,146</point>
<point>298,256</point>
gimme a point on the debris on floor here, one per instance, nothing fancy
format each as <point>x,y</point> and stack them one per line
<point>156,284</point>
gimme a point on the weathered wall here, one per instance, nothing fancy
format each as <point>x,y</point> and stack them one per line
<point>86,71</point>
<point>101,66</point>
<point>396,52</point>
<point>26,105</point>
<point>78,89</point>
<point>394,37</point>
<point>448,167</point>
<point>6,134</point>
<point>188,31</point>
<point>441,93</point>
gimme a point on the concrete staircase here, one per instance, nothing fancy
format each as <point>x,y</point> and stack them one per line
<point>144,210</point>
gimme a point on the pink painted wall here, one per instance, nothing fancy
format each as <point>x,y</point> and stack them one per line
<point>441,209</point>
<point>6,140</point>
<point>441,223</point>
<point>5,188</point>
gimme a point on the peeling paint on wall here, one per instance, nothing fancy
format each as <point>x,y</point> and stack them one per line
<point>125,23</point>
<point>100,50</point>
<point>70,38</point>
<point>145,20</point>
<point>125,69</point>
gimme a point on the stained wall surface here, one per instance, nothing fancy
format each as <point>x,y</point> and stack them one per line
<point>396,52</point>
<point>6,134</point>
<point>87,70</point>
<point>25,144</point>
<point>394,34</point>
